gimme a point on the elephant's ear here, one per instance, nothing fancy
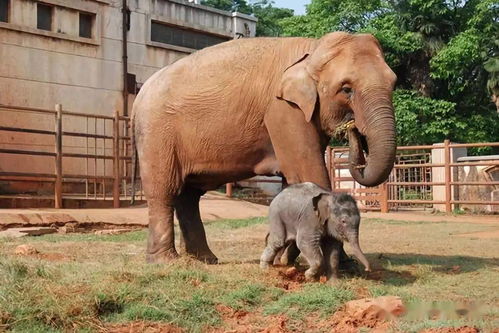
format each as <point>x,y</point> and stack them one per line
<point>298,87</point>
<point>322,207</point>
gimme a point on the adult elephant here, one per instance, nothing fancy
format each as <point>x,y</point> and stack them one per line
<point>259,106</point>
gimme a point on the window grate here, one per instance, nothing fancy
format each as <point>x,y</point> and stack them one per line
<point>182,37</point>
<point>86,23</point>
<point>4,10</point>
<point>43,17</point>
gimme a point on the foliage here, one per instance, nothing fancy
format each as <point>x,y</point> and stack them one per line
<point>268,16</point>
<point>422,119</point>
<point>445,55</point>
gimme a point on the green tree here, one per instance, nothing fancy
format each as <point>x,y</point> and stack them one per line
<point>443,52</point>
<point>268,16</point>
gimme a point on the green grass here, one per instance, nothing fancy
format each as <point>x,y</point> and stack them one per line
<point>319,298</point>
<point>133,236</point>
<point>236,223</point>
<point>105,280</point>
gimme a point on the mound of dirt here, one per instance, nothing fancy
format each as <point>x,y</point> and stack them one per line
<point>141,327</point>
<point>290,278</point>
<point>30,250</point>
<point>25,250</point>
<point>373,313</point>
<point>463,329</point>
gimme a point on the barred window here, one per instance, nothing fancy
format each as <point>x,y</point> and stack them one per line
<point>4,10</point>
<point>173,35</point>
<point>43,16</point>
<point>86,23</point>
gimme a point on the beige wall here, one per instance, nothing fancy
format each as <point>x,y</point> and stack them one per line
<point>42,68</point>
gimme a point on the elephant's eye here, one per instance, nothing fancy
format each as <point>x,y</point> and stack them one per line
<point>347,90</point>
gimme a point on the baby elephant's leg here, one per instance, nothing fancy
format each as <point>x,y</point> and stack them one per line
<point>275,243</point>
<point>287,255</point>
<point>332,249</point>
<point>309,243</point>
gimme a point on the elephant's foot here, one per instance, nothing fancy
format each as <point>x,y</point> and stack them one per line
<point>162,257</point>
<point>311,274</point>
<point>264,265</point>
<point>205,256</point>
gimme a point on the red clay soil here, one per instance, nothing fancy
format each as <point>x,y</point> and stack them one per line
<point>29,250</point>
<point>141,327</point>
<point>289,278</point>
<point>343,321</point>
<point>246,322</point>
<point>463,329</point>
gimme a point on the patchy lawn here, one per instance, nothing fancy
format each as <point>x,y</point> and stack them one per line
<point>87,282</point>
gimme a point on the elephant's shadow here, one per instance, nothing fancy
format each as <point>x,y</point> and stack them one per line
<point>384,264</point>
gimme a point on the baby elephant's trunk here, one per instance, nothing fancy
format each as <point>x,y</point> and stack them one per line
<point>353,239</point>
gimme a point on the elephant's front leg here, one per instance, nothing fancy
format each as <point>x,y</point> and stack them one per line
<point>309,243</point>
<point>194,236</point>
<point>332,249</point>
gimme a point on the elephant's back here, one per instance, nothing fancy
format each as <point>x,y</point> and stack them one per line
<point>215,76</point>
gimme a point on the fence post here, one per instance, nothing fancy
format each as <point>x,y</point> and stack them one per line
<point>58,157</point>
<point>332,170</point>
<point>448,198</point>
<point>383,203</point>
<point>328,163</point>
<point>228,189</point>
<point>116,159</point>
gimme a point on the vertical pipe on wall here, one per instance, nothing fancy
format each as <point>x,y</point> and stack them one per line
<point>58,157</point>
<point>125,27</point>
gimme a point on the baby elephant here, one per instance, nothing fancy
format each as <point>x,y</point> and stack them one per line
<point>319,221</point>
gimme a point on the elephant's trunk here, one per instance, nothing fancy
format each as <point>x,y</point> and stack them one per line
<point>374,135</point>
<point>353,240</point>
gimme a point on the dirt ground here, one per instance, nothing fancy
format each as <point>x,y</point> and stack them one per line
<point>444,268</point>
<point>213,206</point>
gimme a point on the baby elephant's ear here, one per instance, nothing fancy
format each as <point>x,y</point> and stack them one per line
<point>321,207</point>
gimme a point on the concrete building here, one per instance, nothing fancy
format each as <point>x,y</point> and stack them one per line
<point>91,56</point>
<point>78,52</point>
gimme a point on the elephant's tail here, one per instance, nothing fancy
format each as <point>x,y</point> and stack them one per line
<point>134,159</point>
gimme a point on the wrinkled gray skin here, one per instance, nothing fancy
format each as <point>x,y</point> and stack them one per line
<point>318,221</point>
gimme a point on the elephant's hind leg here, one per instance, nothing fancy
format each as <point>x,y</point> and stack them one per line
<point>187,210</point>
<point>161,242</point>
<point>160,183</point>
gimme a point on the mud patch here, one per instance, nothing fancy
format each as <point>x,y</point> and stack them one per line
<point>372,313</point>
<point>28,250</point>
<point>141,327</point>
<point>243,321</point>
<point>463,329</point>
<point>290,278</point>
<point>53,256</point>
